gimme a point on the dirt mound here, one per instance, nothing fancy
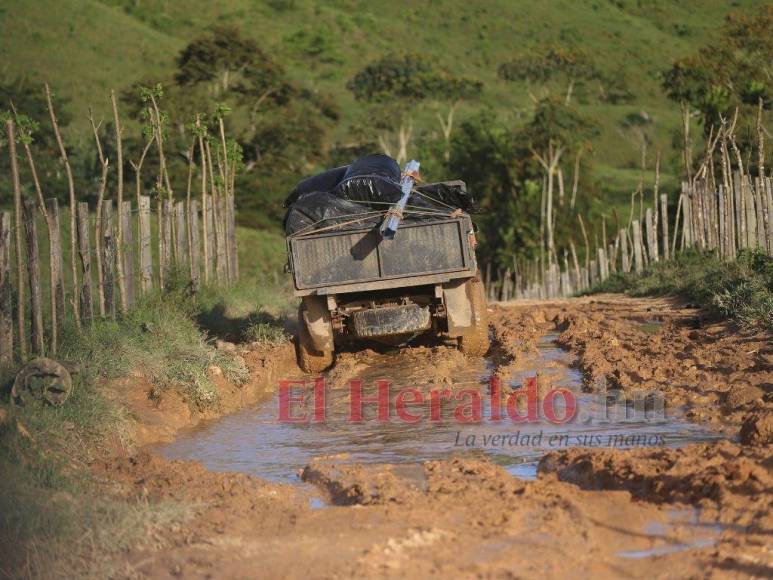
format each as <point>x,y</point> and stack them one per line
<point>358,484</point>
<point>690,475</point>
<point>757,429</point>
<point>159,416</point>
<point>731,484</point>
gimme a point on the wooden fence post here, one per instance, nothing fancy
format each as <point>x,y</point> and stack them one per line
<point>603,265</point>
<point>162,250</point>
<point>768,184</point>
<point>17,213</point>
<point>625,263</point>
<point>33,276</point>
<point>686,222</point>
<point>6,290</point>
<point>723,245</point>
<point>664,224</point>
<point>84,252</point>
<point>652,236</point>
<point>146,256</point>
<point>194,241</point>
<point>740,212</point>
<point>206,220</point>
<point>221,265</point>
<point>751,218</point>
<point>730,223</point>
<point>578,285</point>
<point>638,257</point>
<point>612,258</point>
<point>165,243</point>
<point>755,199</point>
<point>108,257</point>
<point>181,238</point>
<point>764,212</point>
<point>232,249</point>
<point>127,250</point>
<point>697,205</point>
<point>56,267</point>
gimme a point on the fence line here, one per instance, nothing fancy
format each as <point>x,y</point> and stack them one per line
<point>723,218</point>
<point>143,269</point>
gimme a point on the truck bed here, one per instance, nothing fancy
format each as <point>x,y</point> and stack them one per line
<point>355,260</point>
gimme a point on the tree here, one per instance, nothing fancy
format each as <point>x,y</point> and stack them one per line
<point>498,172</point>
<point>396,84</point>
<point>555,131</point>
<point>735,70</point>
<point>226,61</point>
<point>551,65</point>
<point>281,127</point>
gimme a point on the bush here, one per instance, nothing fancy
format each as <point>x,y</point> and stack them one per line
<point>741,290</point>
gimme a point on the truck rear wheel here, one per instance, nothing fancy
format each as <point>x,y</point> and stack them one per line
<point>309,359</point>
<point>474,340</point>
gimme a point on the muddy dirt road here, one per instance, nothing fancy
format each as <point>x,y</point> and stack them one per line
<point>684,494</point>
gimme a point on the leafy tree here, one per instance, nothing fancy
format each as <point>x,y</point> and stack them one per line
<point>564,70</point>
<point>552,65</point>
<point>315,47</point>
<point>555,132</point>
<point>500,167</point>
<point>227,61</point>
<point>639,127</point>
<point>735,70</point>
<point>280,127</point>
<point>396,84</point>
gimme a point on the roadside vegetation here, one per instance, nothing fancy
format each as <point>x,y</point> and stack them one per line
<point>741,290</point>
<point>55,519</point>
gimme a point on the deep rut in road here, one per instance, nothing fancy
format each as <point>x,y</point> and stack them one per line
<point>255,441</point>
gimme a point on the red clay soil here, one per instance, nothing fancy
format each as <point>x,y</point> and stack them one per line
<point>700,511</point>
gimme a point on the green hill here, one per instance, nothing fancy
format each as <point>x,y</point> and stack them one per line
<point>85,47</point>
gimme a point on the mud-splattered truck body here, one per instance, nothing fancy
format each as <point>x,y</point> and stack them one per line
<point>355,284</point>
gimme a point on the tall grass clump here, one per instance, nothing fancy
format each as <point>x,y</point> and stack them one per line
<point>741,290</point>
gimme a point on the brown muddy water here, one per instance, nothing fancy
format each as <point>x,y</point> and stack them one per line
<point>254,441</point>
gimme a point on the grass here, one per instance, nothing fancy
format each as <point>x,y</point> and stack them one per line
<point>55,518</point>
<point>741,290</point>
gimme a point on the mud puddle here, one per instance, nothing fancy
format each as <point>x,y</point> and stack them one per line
<point>256,442</point>
<point>682,531</point>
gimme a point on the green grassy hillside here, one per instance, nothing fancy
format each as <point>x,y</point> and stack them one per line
<point>85,47</point>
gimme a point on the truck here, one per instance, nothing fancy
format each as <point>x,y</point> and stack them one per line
<point>354,285</point>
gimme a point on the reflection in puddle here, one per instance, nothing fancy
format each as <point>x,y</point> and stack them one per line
<point>684,531</point>
<point>255,442</point>
<point>316,503</point>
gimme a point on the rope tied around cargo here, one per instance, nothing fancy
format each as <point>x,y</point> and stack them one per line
<point>394,212</point>
<point>375,214</point>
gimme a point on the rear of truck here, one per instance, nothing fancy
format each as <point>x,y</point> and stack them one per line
<point>374,255</point>
<point>355,285</point>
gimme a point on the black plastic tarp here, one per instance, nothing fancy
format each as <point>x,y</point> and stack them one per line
<point>356,195</point>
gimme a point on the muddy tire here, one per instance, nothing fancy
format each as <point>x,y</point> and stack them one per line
<point>309,359</point>
<point>474,341</point>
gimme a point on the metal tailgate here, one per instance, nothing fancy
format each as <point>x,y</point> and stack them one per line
<point>355,256</point>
